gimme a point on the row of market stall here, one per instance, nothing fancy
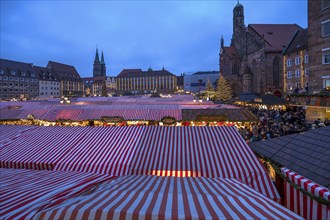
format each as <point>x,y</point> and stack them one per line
<point>133,172</point>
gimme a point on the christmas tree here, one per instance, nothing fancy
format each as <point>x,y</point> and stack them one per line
<point>209,90</point>
<point>224,91</point>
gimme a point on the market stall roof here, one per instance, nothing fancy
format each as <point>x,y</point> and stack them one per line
<point>208,151</point>
<point>269,99</point>
<point>25,192</point>
<point>152,197</point>
<point>307,153</point>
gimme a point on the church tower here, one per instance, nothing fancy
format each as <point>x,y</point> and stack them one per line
<point>102,65</point>
<point>97,65</point>
<point>238,27</point>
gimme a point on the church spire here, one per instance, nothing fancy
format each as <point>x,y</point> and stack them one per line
<point>97,55</point>
<point>102,57</point>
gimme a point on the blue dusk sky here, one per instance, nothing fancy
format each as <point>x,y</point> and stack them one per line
<point>184,36</point>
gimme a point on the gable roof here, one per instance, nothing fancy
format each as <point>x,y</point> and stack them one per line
<point>306,153</point>
<point>64,71</point>
<point>276,36</point>
<point>298,42</point>
<point>18,67</point>
<point>45,73</point>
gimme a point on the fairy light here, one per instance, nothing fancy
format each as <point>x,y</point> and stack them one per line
<point>284,73</point>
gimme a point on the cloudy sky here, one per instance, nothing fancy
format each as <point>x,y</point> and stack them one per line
<point>181,35</point>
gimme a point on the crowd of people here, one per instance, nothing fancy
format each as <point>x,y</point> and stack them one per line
<point>276,123</point>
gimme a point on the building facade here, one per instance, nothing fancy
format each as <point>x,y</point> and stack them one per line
<point>253,61</point>
<point>49,84</point>
<point>136,81</point>
<point>93,85</point>
<point>18,80</point>
<point>71,83</point>
<point>111,84</point>
<point>296,64</point>
<point>196,82</point>
<point>319,44</point>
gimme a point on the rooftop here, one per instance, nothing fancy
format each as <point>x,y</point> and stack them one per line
<point>306,153</point>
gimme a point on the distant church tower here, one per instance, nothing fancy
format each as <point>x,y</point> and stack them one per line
<point>238,37</point>
<point>102,64</point>
<point>99,68</point>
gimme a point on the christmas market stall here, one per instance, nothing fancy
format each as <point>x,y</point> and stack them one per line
<point>299,164</point>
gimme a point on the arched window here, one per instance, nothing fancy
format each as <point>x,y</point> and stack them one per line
<point>276,71</point>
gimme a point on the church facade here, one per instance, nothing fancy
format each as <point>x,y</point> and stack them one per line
<point>253,63</point>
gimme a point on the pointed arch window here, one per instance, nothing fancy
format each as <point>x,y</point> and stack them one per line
<point>276,71</point>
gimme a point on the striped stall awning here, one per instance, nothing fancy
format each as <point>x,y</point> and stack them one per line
<point>146,150</point>
<point>104,150</point>
<point>9,133</point>
<point>302,204</point>
<point>153,197</point>
<point>200,152</point>
<point>38,147</point>
<point>24,192</point>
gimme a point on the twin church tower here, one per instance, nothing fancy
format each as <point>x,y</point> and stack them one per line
<point>99,66</point>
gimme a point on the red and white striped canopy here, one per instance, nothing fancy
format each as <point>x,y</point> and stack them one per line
<point>302,204</point>
<point>25,192</point>
<point>153,197</point>
<point>152,150</point>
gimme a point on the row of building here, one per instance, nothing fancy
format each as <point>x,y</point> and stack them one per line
<point>26,81</point>
<point>279,58</point>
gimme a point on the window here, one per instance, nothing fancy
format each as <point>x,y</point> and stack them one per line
<point>22,79</point>
<point>307,72</point>
<point>23,74</point>
<point>297,60</point>
<point>16,79</point>
<point>2,71</point>
<point>306,58</point>
<point>326,56</point>
<point>11,78</point>
<point>32,75</point>
<point>297,73</point>
<point>325,4</point>
<point>27,80</point>
<point>13,73</point>
<point>289,74</point>
<point>325,28</point>
<point>298,85</point>
<point>289,62</point>
<point>5,78</point>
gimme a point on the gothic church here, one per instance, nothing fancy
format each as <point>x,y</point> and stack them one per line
<point>253,63</point>
<point>99,66</point>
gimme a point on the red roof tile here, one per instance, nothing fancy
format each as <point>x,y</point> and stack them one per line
<point>276,36</point>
